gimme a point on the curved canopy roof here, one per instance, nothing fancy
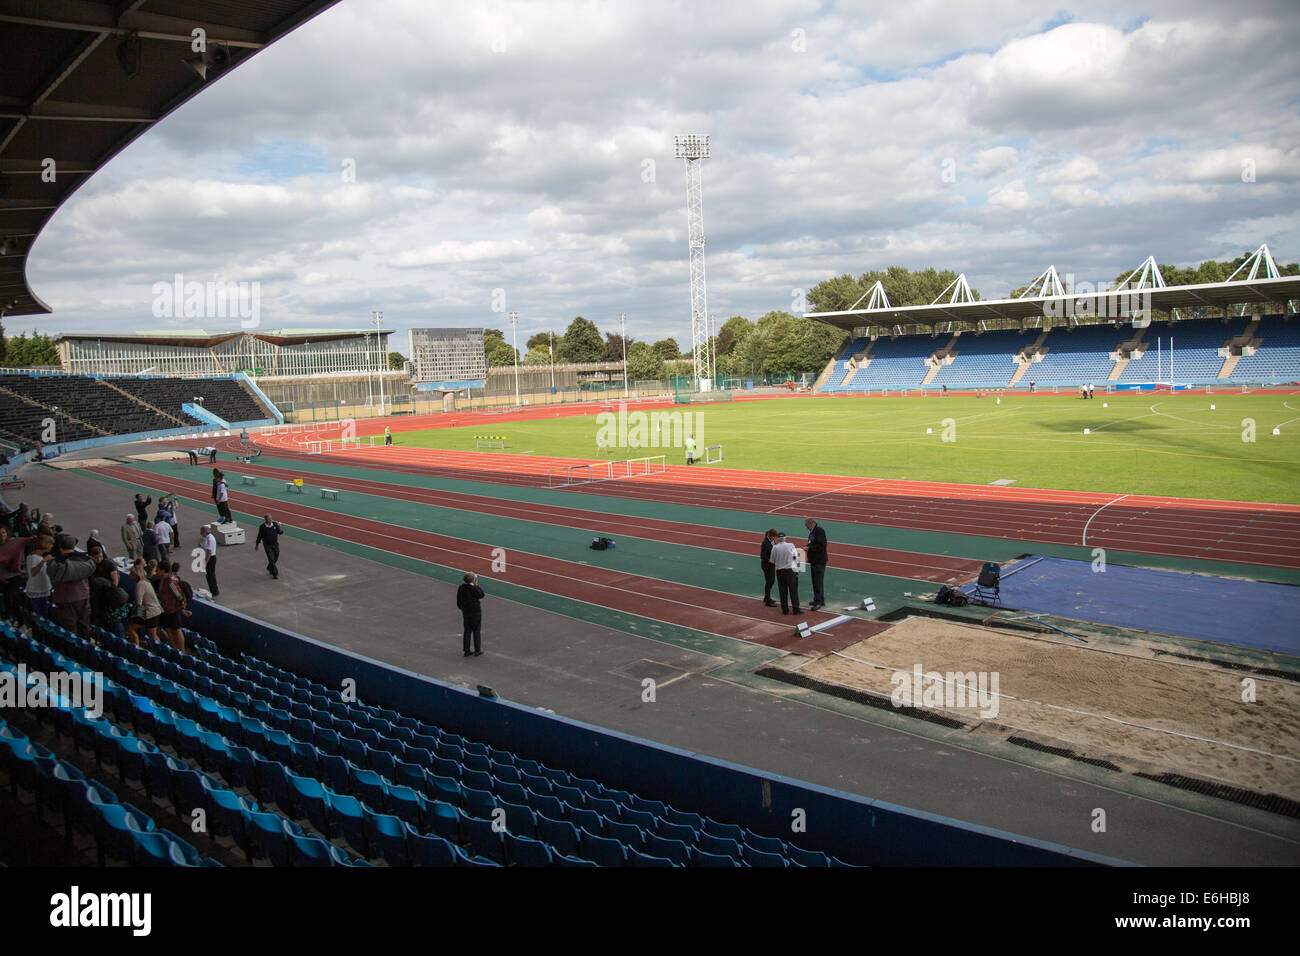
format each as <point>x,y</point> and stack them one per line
<point>81,79</point>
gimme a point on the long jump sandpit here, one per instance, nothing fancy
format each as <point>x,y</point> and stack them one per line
<point>1130,706</point>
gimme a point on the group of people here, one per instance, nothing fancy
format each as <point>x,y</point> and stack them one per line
<point>780,562</point>
<point>44,574</point>
<point>1085,391</point>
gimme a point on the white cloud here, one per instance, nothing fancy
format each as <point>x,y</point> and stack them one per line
<point>990,162</point>
<point>546,168</point>
<point>1012,195</point>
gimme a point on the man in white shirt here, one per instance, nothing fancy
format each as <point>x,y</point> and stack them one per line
<point>221,495</point>
<point>164,532</point>
<point>786,557</point>
<point>209,545</point>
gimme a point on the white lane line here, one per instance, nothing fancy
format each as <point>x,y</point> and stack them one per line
<point>1084,542</point>
<point>834,491</point>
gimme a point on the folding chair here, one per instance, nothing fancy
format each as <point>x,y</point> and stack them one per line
<point>988,584</point>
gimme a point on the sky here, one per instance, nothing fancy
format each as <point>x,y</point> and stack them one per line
<point>449,162</point>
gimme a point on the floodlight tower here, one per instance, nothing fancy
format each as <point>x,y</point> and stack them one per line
<point>693,148</point>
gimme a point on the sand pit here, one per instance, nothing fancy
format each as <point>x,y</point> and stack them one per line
<point>1112,702</point>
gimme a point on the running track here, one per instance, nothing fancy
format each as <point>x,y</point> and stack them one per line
<point>707,610</point>
<point>938,569</point>
<point>1239,532</point>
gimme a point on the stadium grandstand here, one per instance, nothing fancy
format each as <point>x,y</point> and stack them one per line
<point>1066,340</point>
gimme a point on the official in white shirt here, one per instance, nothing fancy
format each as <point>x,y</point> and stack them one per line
<point>786,557</point>
<point>209,545</point>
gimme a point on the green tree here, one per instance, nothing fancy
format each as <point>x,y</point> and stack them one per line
<point>34,350</point>
<point>541,338</point>
<point>731,332</point>
<point>613,347</point>
<point>502,353</point>
<point>643,363</point>
<point>538,355</point>
<point>582,342</point>
<point>668,349</point>
<point>396,361</point>
<point>903,286</point>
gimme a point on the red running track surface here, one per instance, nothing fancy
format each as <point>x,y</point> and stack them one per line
<point>1259,533</point>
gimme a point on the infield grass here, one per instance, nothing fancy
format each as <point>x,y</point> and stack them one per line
<point>1152,444</point>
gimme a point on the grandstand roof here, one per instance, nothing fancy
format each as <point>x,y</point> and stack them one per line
<point>1274,293</point>
<point>84,78</point>
<point>203,339</point>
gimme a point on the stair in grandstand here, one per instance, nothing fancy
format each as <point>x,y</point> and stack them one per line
<point>1236,348</point>
<point>940,358</point>
<point>140,401</point>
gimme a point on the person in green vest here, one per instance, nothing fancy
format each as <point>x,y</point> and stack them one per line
<point>388,435</point>
<point>690,450</point>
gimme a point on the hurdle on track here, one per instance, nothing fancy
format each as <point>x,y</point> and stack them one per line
<point>489,441</point>
<point>606,471</point>
<point>712,454</point>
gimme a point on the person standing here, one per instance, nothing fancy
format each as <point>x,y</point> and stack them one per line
<point>175,607</point>
<point>786,557</point>
<point>147,610</point>
<point>174,518</point>
<point>70,573</point>
<point>209,545</point>
<point>149,543</point>
<point>93,542</point>
<point>222,497</point>
<point>38,578</point>
<point>268,537</point>
<point>163,531</point>
<point>468,598</point>
<point>388,435</point>
<point>817,557</point>
<point>131,538</point>
<point>769,569</point>
<point>142,508</point>
<point>690,449</point>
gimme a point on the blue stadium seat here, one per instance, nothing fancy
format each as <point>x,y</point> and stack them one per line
<point>553,807</point>
<point>273,784</point>
<point>562,835</point>
<point>702,858</point>
<point>675,850</point>
<point>313,851</point>
<point>525,851</point>
<point>609,809</point>
<point>309,801</point>
<point>386,837</point>
<point>642,818</point>
<point>347,819</point>
<point>115,831</point>
<point>519,818</point>
<point>693,820</point>
<point>765,844</point>
<point>678,831</point>
<point>228,815</point>
<point>443,819</point>
<point>267,835</point>
<point>563,859</point>
<point>719,846</point>
<point>603,850</point>
<point>428,849</point>
<point>478,803</point>
<point>644,859</point>
<point>370,788</point>
<point>806,857</point>
<point>728,831</point>
<point>585,819</point>
<point>406,803</point>
<point>753,857</point>
<point>629,834</point>
<point>483,839</point>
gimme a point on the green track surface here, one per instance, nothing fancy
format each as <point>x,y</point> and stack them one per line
<point>1145,444</point>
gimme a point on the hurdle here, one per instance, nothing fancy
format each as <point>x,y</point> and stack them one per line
<point>606,471</point>
<point>489,441</point>
<point>712,454</point>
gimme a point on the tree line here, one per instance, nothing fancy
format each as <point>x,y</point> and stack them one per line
<point>25,350</point>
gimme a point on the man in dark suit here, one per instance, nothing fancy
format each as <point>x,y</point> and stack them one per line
<point>468,598</point>
<point>816,551</point>
<point>769,569</point>
<point>268,536</point>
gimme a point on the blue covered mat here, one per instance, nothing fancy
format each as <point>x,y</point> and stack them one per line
<point>1244,613</point>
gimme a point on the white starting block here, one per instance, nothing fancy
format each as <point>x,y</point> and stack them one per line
<point>329,493</point>
<point>228,533</point>
<point>248,479</point>
<point>802,630</point>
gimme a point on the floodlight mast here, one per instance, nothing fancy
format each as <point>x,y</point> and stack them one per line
<point>693,148</point>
